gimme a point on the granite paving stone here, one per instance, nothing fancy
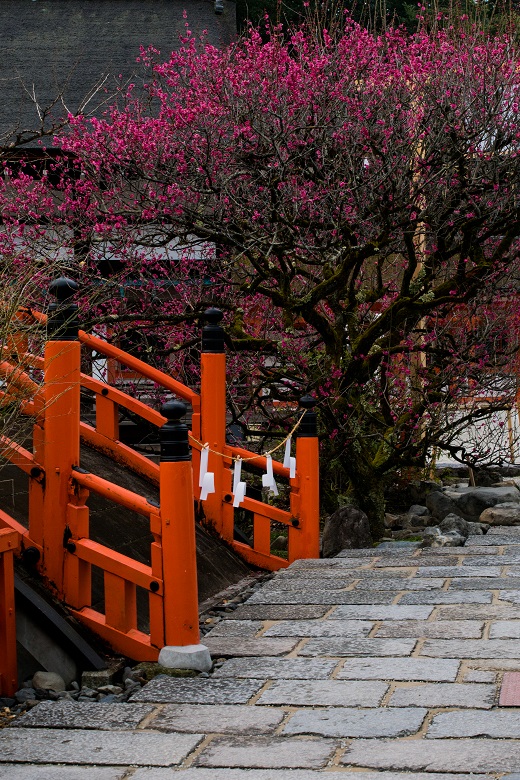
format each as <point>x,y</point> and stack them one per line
<point>443,597</point>
<point>478,612</point>
<point>337,646</point>
<point>381,612</point>
<point>471,648</point>
<point>323,597</point>
<point>478,676</point>
<point>386,573</point>
<point>282,774</point>
<point>243,628</point>
<point>406,669</point>
<point>84,715</point>
<point>400,584</point>
<point>493,539</point>
<point>419,560</point>
<point>276,668</point>
<point>469,629</point>
<point>25,772</point>
<point>302,628</point>
<point>512,596</point>
<point>323,693</point>
<point>493,583</point>
<point>277,612</point>
<point>214,718</point>
<point>491,560</point>
<point>435,755</point>
<point>163,689</point>
<point>499,724</point>
<point>304,583</point>
<point>261,752</point>
<point>222,646</point>
<point>459,571</point>
<point>501,629</point>
<point>444,695</point>
<point>350,722</point>
<point>116,748</point>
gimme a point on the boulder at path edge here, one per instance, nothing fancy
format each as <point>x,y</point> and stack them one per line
<point>507,513</point>
<point>347,528</point>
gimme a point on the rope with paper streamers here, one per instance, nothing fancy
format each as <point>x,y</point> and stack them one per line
<point>207,478</point>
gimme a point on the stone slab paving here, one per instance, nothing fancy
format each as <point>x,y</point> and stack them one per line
<point>435,755</point>
<point>324,693</point>
<point>224,719</point>
<point>348,722</point>
<point>442,629</point>
<point>444,695</point>
<point>285,774</point>
<point>61,746</point>
<point>85,715</point>
<point>320,628</point>
<point>384,664</point>
<point>223,646</point>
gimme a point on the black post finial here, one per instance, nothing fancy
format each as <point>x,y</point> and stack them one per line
<point>63,324</point>
<point>173,435</point>
<point>213,332</point>
<point>309,424</point>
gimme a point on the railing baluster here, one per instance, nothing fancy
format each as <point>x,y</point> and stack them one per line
<point>107,418</point>
<point>8,667</point>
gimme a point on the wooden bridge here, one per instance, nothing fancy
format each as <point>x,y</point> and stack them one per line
<point>56,537</point>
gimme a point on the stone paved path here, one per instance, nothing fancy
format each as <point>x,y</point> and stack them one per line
<point>381,664</point>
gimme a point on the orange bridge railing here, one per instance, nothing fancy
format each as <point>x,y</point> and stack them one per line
<point>57,539</point>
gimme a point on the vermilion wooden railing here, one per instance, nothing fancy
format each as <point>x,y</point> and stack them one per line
<point>9,543</point>
<point>58,533</point>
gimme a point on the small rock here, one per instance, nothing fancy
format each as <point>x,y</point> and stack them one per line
<point>507,513</point>
<point>50,681</point>
<point>392,521</point>
<point>280,543</point>
<point>433,537</point>
<point>486,478</point>
<point>478,528</point>
<point>346,529</point>
<point>115,689</point>
<point>455,523</point>
<point>25,694</point>
<point>440,505</point>
<point>90,693</point>
<point>74,686</point>
<point>475,501</point>
<point>418,490</point>
<point>419,510</point>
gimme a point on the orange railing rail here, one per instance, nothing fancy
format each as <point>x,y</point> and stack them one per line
<point>58,529</point>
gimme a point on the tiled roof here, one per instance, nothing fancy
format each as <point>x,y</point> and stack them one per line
<point>53,46</point>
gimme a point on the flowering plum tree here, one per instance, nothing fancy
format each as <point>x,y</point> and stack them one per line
<point>362,197</point>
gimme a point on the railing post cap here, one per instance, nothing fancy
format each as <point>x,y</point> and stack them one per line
<point>213,315</point>
<point>307,402</point>
<point>63,288</point>
<point>173,410</point>
<point>173,435</point>
<point>213,332</point>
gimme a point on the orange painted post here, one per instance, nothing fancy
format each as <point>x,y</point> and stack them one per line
<point>8,668</point>
<point>181,615</point>
<point>213,422</point>
<point>61,425</point>
<point>304,540</point>
<point>107,418</point>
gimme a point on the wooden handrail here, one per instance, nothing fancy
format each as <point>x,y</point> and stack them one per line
<point>142,368</point>
<point>115,493</point>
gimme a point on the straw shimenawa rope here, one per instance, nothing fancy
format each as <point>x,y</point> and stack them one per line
<point>253,457</point>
